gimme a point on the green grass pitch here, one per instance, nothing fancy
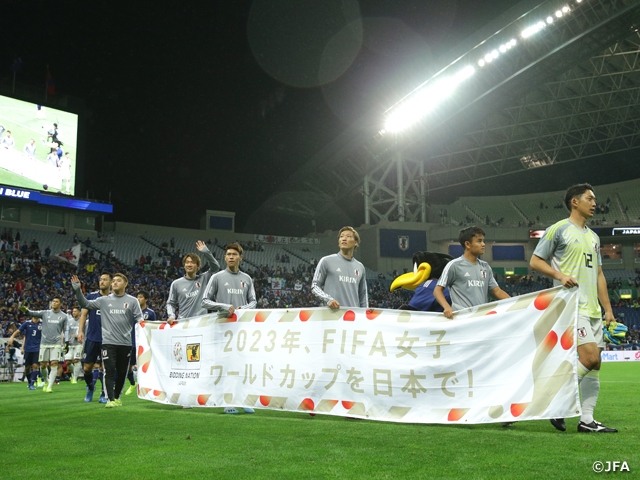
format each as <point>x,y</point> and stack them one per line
<point>59,436</point>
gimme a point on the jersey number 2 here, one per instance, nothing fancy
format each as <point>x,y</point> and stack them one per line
<point>588,259</point>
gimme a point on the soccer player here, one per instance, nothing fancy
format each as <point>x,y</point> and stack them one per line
<point>8,141</point>
<point>92,350</point>
<point>64,166</point>
<point>574,252</point>
<point>186,293</point>
<point>147,314</point>
<point>339,279</point>
<point>30,148</point>
<point>32,331</point>
<point>469,279</point>
<point>74,353</point>
<point>54,322</point>
<point>230,290</point>
<point>118,313</point>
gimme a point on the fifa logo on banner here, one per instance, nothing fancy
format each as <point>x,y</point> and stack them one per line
<point>186,352</point>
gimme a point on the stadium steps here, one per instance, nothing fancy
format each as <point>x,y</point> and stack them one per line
<point>475,215</point>
<point>618,200</point>
<point>295,255</point>
<point>520,212</point>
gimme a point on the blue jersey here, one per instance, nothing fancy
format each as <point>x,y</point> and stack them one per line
<point>32,334</point>
<point>94,330</point>
<point>423,299</point>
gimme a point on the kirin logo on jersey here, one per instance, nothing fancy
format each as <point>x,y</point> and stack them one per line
<point>403,242</point>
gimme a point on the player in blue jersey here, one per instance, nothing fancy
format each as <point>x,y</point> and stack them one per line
<point>93,342</point>
<point>147,314</point>
<point>32,331</point>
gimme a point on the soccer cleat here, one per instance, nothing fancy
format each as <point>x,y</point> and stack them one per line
<point>103,399</point>
<point>249,410</point>
<point>595,427</point>
<point>47,389</point>
<point>32,387</point>
<point>130,390</point>
<point>39,383</point>
<point>89,396</point>
<point>111,405</point>
<point>231,411</point>
<point>507,424</point>
<point>73,381</point>
<point>558,423</point>
<point>118,402</point>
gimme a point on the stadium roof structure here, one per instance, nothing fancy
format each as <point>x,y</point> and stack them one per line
<point>568,90</point>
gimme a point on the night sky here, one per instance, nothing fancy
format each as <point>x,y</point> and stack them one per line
<point>208,105</point>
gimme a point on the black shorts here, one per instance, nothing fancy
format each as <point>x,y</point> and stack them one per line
<point>91,352</point>
<point>30,358</point>
<point>133,357</point>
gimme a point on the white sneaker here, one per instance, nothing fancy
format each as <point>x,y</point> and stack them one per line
<point>231,410</point>
<point>249,410</point>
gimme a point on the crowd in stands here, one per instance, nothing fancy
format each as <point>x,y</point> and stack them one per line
<point>28,277</point>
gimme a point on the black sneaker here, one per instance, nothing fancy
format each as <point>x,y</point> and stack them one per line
<point>595,427</point>
<point>559,424</point>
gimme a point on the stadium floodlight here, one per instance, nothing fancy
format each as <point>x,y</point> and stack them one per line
<point>488,58</point>
<point>502,48</point>
<point>495,54</point>
<point>549,19</point>
<point>424,100</point>
<point>513,42</point>
<point>559,13</point>
<point>481,62</point>
<point>565,9</point>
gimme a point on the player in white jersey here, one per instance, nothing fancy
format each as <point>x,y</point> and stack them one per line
<point>470,280</point>
<point>574,252</point>
<point>230,290</point>
<point>74,352</point>
<point>339,279</point>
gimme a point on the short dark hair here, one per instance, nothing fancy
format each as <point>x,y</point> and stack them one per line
<point>108,274</point>
<point>233,246</point>
<point>575,191</point>
<point>144,293</point>
<point>58,297</point>
<point>194,257</point>
<point>467,234</point>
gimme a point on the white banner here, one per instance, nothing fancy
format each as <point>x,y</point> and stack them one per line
<point>504,361</point>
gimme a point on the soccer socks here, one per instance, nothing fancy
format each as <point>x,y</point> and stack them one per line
<point>589,388</point>
<point>132,380</point>
<point>52,377</point>
<point>33,376</point>
<point>44,375</point>
<point>88,379</point>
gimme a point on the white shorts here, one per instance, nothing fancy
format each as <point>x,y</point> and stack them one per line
<point>74,353</point>
<point>50,353</point>
<point>590,330</point>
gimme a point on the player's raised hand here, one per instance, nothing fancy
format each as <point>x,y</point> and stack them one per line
<point>23,309</point>
<point>200,245</point>
<point>75,279</point>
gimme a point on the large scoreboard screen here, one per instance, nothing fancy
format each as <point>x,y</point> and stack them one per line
<point>38,147</point>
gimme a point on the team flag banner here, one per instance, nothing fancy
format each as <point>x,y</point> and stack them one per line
<point>505,361</point>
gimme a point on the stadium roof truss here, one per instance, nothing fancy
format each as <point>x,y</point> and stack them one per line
<point>569,92</point>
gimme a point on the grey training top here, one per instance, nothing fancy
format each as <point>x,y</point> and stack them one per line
<point>72,329</point>
<point>186,293</point>
<point>342,279</point>
<point>226,288</point>
<point>468,284</point>
<point>118,314</point>
<point>53,325</point>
